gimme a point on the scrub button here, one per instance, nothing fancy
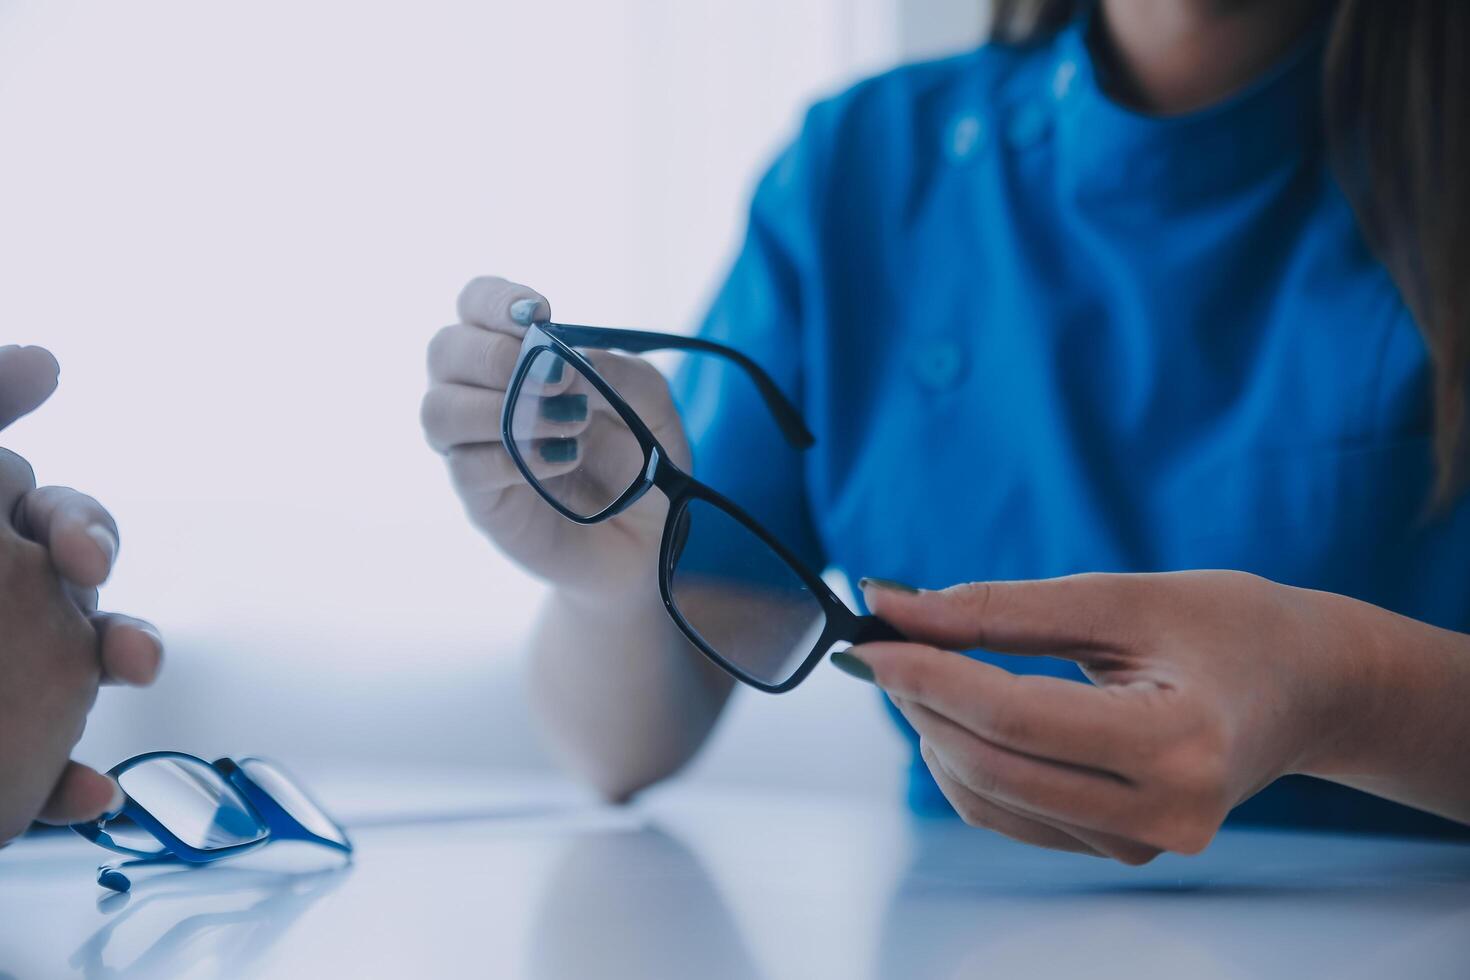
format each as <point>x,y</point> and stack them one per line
<point>1061,81</point>
<point>965,136</point>
<point>939,364</point>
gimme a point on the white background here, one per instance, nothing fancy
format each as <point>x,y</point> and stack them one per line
<point>237,226</point>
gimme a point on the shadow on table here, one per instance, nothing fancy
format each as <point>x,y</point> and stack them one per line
<point>1252,905</point>
<point>252,909</point>
<point>635,903</point>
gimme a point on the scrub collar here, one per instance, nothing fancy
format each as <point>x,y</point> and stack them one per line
<point>1274,122</point>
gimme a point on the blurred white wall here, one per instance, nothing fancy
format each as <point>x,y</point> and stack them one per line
<point>238,225</point>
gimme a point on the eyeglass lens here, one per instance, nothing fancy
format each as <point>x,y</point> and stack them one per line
<point>193,801</point>
<point>745,601</point>
<point>578,448</point>
<point>292,798</point>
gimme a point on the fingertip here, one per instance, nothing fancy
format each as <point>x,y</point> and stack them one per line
<point>44,360</point>
<point>115,804</point>
<point>81,794</point>
<point>884,585</point>
<point>38,363</point>
<point>884,596</point>
<point>107,544</point>
<point>28,376</point>
<point>523,311</point>
<point>875,662</point>
<point>82,553</point>
<point>491,302</point>
<point>959,617</point>
<point>132,652</point>
<point>853,665</point>
<point>78,532</point>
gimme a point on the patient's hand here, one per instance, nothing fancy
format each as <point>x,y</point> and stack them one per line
<point>56,547</point>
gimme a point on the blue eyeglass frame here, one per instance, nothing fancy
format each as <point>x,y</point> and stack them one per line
<point>841,623</point>
<point>278,823</point>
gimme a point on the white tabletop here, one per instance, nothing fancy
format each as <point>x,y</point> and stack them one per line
<point>511,878</point>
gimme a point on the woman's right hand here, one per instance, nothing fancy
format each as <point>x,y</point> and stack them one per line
<point>470,366</point>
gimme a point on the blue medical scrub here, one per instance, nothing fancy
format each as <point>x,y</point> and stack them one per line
<point>1036,333</point>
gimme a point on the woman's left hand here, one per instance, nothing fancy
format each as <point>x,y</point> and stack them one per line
<point>1207,687</point>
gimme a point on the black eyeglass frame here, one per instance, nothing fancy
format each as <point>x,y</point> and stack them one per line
<point>842,625</point>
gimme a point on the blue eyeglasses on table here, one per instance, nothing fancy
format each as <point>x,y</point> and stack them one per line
<point>179,808</point>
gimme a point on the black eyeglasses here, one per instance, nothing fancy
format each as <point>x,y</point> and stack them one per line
<point>738,593</point>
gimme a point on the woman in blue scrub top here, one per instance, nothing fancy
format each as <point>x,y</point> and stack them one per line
<point>1142,287</point>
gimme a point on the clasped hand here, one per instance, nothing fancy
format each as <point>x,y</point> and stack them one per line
<point>56,547</point>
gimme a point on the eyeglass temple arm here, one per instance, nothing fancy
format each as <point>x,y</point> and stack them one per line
<point>787,416</point>
<point>110,876</point>
<point>871,629</point>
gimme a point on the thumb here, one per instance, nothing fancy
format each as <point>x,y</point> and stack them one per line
<point>82,793</point>
<point>27,378</point>
<point>1060,616</point>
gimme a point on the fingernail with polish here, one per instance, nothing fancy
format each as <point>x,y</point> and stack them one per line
<point>558,450</point>
<point>849,664</point>
<point>105,539</point>
<point>564,408</point>
<point>523,311</point>
<point>883,583</point>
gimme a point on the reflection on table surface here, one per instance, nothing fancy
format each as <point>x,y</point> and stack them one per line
<point>1257,904</point>
<point>704,884</point>
<point>186,917</point>
<point>625,891</point>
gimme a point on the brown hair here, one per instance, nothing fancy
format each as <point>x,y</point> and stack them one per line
<point>1397,118</point>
